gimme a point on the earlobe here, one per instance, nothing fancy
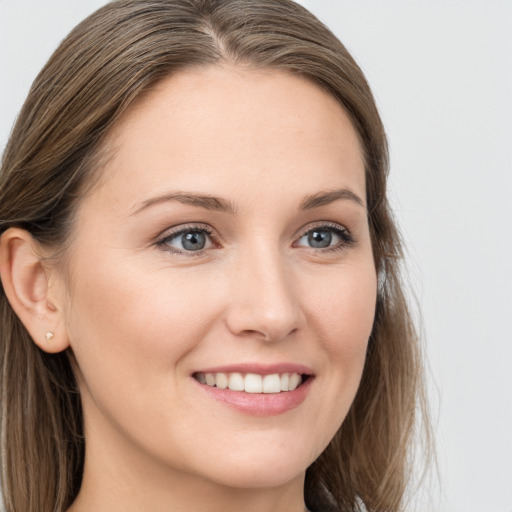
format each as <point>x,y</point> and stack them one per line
<point>25,281</point>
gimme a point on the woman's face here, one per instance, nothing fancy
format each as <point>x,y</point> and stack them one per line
<point>227,241</point>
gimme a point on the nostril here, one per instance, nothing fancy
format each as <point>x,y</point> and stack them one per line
<point>268,335</point>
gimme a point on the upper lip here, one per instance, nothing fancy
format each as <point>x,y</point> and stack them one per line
<point>258,368</point>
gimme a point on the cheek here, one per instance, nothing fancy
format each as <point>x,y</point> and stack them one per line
<point>344,309</point>
<point>127,324</point>
<point>342,315</point>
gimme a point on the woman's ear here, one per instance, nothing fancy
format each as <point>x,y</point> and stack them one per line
<point>25,279</point>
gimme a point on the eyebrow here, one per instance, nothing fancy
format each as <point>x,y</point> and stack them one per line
<point>323,198</point>
<point>193,199</point>
<point>222,205</point>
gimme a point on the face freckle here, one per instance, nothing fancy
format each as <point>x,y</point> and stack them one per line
<point>187,259</point>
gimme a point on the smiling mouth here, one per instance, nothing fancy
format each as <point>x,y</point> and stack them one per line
<point>252,382</point>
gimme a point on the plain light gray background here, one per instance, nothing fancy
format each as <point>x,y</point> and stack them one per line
<point>441,73</point>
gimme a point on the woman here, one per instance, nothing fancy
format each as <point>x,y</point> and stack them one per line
<point>201,305</point>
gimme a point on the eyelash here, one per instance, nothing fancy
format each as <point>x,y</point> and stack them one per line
<point>199,228</point>
<point>346,238</point>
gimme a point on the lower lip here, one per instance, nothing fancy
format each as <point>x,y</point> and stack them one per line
<point>259,404</point>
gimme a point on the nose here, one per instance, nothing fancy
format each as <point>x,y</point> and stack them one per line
<point>264,301</point>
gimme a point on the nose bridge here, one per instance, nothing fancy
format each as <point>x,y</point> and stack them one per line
<point>264,298</point>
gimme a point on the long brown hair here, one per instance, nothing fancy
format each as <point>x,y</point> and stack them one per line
<point>107,61</point>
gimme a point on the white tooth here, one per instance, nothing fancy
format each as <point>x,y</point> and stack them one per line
<point>272,383</point>
<point>201,378</point>
<point>210,379</point>
<point>285,381</point>
<point>236,382</point>
<point>253,383</point>
<point>295,380</point>
<point>221,380</point>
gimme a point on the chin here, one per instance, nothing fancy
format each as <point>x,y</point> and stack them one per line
<point>257,476</point>
<point>271,466</point>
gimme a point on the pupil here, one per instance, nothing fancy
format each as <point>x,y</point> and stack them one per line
<point>320,239</point>
<point>194,241</point>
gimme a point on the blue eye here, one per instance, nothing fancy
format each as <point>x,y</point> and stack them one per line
<point>326,237</point>
<point>187,240</point>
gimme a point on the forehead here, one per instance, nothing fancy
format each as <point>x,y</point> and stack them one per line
<point>221,129</point>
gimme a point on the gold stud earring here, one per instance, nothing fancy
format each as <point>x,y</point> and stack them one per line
<point>49,336</point>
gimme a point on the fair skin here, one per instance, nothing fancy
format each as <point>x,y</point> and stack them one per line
<point>276,276</point>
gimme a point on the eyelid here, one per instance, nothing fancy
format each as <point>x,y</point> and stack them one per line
<point>321,224</point>
<point>184,228</point>
<point>342,231</point>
